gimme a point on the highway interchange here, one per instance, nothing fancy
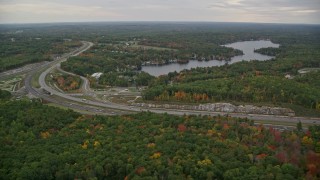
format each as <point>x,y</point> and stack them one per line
<point>93,106</point>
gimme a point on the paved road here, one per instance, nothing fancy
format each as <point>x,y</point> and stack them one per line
<point>56,64</point>
<point>108,108</point>
<point>67,97</point>
<point>256,117</point>
<point>62,102</point>
<point>21,70</point>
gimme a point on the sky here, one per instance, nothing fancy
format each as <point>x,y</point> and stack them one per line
<point>263,11</point>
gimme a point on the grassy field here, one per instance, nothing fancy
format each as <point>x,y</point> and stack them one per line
<point>35,80</point>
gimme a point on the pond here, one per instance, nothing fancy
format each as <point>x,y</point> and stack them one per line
<point>247,47</point>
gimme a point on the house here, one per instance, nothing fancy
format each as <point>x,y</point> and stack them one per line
<point>96,75</point>
<point>288,76</point>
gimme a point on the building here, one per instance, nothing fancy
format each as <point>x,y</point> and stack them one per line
<point>288,76</point>
<point>96,75</point>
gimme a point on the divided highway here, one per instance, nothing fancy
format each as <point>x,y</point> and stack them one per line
<point>109,108</point>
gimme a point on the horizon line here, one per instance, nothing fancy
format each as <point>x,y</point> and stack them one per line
<point>156,21</point>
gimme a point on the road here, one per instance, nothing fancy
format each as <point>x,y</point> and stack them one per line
<point>60,101</point>
<point>21,70</point>
<point>109,108</point>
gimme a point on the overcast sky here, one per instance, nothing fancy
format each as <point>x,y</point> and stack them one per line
<point>266,11</point>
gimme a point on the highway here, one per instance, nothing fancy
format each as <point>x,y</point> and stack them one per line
<point>61,101</point>
<point>21,70</point>
<point>109,108</point>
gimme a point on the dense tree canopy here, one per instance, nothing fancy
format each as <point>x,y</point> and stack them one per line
<point>67,82</point>
<point>41,142</point>
<point>273,82</point>
<point>4,94</point>
<point>19,49</point>
<point>250,89</point>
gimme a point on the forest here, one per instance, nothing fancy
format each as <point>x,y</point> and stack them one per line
<point>268,51</point>
<point>126,58</point>
<point>20,47</point>
<point>44,142</point>
<point>121,49</point>
<point>67,82</point>
<point>275,82</point>
<point>39,141</point>
<point>251,89</point>
<point>5,95</point>
<point>121,55</point>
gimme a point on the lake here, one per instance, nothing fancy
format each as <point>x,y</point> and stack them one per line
<point>247,47</point>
